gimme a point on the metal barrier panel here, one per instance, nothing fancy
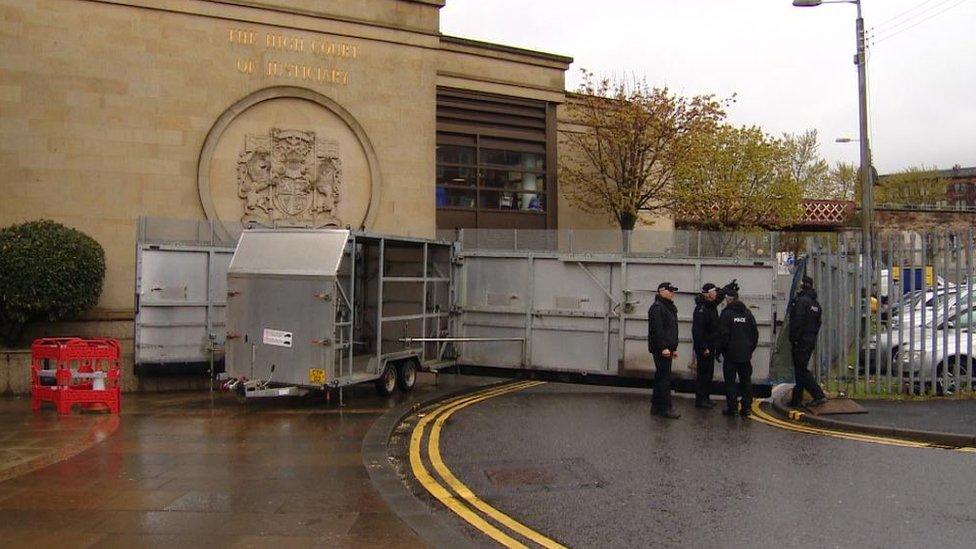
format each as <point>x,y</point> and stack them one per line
<point>180,300</point>
<point>587,312</point>
<point>756,283</point>
<point>495,301</point>
<point>181,288</point>
<point>571,315</point>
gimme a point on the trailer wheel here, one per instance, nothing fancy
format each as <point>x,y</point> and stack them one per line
<point>387,382</point>
<point>407,375</point>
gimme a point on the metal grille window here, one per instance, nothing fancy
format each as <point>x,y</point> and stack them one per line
<point>492,161</point>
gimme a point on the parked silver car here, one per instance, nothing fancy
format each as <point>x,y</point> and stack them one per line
<point>912,346</point>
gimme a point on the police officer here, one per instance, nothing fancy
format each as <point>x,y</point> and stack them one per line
<point>738,338</point>
<point>804,327</point>
<point>704,333</point>
<point>662,343</point>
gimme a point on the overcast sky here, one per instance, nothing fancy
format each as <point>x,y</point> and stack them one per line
<point>791,68</point>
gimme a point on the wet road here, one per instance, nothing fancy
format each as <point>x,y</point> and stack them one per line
<point>589,467</point>
<point>183,471</point>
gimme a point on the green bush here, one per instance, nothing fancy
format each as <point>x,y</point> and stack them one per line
<point>47,272</point>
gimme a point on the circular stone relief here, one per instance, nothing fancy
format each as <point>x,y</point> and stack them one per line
<point>288,157</point>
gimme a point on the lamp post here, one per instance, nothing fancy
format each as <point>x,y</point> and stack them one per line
<point>867,183</point>
<point>867,173</point>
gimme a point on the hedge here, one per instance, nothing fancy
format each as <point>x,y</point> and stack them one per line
<point>47,272</point>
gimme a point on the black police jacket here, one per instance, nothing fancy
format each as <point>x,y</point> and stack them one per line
<point>805,318</point>
<point>738,334</point>
<point>704,324</point>
<point>662,326</point>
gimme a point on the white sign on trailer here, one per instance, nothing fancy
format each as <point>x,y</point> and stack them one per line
<point>276,337</point>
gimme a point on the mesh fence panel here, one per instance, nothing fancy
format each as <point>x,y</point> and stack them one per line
<point>677,244</point>
<point>189,232</point>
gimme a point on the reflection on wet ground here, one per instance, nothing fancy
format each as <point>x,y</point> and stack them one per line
<point>32,441</point>
<point>195,470</point>
<point>585,465</point>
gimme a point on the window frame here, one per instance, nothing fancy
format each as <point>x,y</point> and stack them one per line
<point>485,122</point>
<point>480,169</point>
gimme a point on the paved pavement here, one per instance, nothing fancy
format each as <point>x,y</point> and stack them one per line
<point>32,441</point>
<point>185,470</point>
<point>585,465</point>
<point>946,416</point>
<point>589,467</point>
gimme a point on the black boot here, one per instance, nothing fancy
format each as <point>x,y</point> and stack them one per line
<point>669,414</point>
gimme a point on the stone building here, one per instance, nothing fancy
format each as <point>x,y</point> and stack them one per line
<point>275,112</point>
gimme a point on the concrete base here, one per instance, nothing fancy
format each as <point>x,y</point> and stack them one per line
<point>783,392</point>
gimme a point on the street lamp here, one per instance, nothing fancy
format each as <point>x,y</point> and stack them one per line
<point>860,59</point>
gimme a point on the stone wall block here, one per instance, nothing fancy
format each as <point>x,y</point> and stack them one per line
<point>15,372</point>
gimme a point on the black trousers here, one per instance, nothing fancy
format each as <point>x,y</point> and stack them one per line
<point>703,379</point>
<point>661,397</point>
<point>804,378</point>
<point>733,389</point>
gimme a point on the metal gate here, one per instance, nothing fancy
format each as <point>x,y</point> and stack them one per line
<point>573,301</point>
<point>181,291</point>
<point>898,314</point>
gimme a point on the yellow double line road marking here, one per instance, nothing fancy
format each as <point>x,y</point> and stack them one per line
<point>759,415</point>
<point>466,508</point>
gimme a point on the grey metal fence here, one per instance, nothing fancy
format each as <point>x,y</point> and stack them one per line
<point>188,232</point>
<point>898,314</point>
<point>643,243</point>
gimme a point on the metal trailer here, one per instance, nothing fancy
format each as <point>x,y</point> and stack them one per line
<point>323,309</point>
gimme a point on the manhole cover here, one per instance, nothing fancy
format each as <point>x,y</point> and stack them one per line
<point>520,476</point>
<point>557,474</point>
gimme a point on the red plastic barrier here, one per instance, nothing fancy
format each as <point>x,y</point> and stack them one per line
<point>77,371</point>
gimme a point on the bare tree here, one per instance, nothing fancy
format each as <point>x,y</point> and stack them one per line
<point>631,140</point>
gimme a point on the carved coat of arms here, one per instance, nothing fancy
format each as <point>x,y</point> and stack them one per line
<point>289,178</point>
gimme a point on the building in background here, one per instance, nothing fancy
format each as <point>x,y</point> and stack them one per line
<point>961,191</point>
<point>282,113</point>
<point>271,112</point>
